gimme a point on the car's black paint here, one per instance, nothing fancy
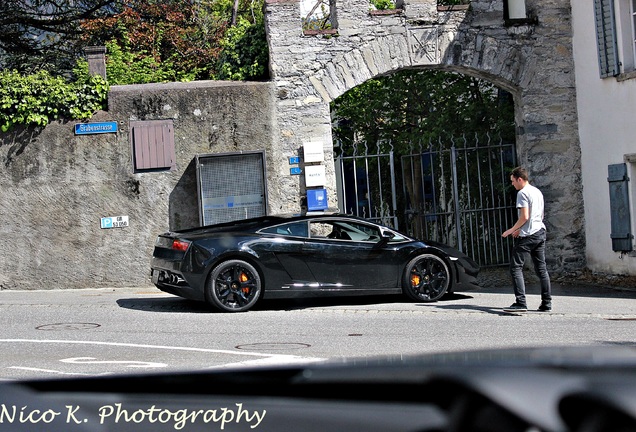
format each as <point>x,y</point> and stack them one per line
<point>304,255</point>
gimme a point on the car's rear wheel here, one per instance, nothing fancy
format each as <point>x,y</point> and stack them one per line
<point>233,286</point>
<point>426,278</point>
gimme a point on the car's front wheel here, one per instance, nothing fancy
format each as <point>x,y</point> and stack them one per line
<point>233,286</point>
<point>426,278</point>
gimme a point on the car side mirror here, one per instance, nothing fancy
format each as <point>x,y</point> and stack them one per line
<point>386,238</point>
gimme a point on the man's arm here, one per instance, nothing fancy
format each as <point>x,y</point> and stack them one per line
<point>524,215</point>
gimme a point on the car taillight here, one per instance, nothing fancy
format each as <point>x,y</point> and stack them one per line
<point>180,245</point>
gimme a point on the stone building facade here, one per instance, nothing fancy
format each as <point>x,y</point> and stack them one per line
<point>57,185</point>
<point>532,59</point>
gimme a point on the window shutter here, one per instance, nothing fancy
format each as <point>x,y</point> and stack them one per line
<point>619,208</point>
<point>606,38</point>
<point>153,144</point>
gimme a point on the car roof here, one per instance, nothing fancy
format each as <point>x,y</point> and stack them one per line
<point>258,223</point>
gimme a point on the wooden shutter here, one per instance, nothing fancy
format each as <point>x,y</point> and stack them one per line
<point>153,144</point>
<point>619,208</point>
<point>606,38</point>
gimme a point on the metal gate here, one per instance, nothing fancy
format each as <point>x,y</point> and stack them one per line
<point>366,185</point>
<point>456,193</point>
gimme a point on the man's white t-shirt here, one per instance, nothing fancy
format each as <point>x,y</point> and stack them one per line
<point>532,198</point>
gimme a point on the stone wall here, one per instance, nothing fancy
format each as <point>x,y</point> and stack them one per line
<point>56,186</point>
<point>531,59</point>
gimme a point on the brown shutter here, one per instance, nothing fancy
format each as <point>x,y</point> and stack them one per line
<point>153,144</point>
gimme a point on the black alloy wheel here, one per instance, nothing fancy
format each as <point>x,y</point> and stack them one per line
<point>426,278</point>
<point>233,286</point>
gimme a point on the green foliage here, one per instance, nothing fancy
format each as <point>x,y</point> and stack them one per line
<point>175,40</point>
<point>158,41</point>
<point>319,18</point>
<point>126,67</point>
<point>244,54</point>
<point>39,98</point>
<point>383,4</point>
<point>411,106</point>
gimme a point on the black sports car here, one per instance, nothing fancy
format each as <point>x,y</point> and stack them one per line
<point>233,265</point>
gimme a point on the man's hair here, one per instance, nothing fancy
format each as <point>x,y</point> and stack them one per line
<point>520,173</point>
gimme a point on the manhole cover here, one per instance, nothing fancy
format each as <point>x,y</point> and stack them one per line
<point>272,346</point>
<point>68,326</point>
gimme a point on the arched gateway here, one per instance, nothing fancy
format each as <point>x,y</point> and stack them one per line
<point>530,58</point>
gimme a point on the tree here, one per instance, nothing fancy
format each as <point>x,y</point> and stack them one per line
<point>413,106</point>
<point>148,40</point>
<point>244,54</point>
<point>419,115</point>
<point>42,34</point>
<point>177,40</point>
<point>157,41</point>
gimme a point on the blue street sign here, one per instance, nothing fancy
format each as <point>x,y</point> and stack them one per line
<point>95,128</point>
<point>295,171</point>
<point>294,160</point>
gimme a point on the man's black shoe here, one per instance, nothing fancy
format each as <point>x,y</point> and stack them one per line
<point>545,307</point>
<point>516,307</point>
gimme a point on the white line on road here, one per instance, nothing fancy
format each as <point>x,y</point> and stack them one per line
<point>47,371</point>
<point>93,360</point>
<point>265,358</point>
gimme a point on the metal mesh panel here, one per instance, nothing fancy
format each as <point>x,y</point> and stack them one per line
<point>232,187</point>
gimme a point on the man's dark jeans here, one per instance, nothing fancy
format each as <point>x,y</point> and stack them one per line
<point>534,245</point>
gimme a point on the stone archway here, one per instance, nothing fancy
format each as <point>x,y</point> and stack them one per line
<point>532,60</point>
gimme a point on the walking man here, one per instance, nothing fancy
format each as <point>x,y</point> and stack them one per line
<point>529,238</point>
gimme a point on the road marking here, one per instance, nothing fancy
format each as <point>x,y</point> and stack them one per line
<point>270,359</point>
<point>47,370</point>
<point>93,360</point>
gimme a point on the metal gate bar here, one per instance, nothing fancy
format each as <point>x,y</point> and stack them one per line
<point>465,199</point>
<point>362,190</point>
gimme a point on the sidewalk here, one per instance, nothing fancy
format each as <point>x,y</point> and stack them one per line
<point>500,277</point>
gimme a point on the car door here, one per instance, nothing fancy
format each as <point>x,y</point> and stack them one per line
<point>342,256</point>
<point>287,247</point>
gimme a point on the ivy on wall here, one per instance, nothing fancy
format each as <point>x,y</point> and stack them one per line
<point>37,99</point>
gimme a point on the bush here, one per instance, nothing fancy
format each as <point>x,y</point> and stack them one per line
<point>35,100</point>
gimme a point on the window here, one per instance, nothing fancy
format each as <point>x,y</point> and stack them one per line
<point>632,34</point>
<point>615,36</point>
<point>606,38</point>
<point>318,16</point>
<point>334,229</point>
<point>295,229</point>
<point>343,230</point>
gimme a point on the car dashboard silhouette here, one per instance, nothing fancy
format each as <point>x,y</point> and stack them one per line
<point>582,389</point>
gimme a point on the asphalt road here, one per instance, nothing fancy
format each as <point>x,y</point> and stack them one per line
<point>70,333</point>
